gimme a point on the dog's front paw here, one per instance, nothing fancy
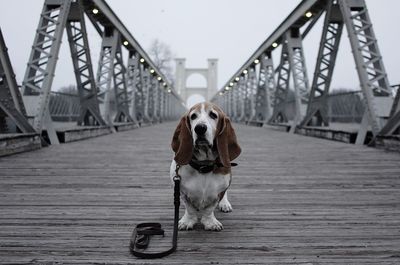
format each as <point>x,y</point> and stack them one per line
<point>211,223</point>
<point>225,206</point>
<point>186,223</point>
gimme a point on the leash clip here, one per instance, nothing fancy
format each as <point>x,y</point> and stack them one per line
<point>177,177</point>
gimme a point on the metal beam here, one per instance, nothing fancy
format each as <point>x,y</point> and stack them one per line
<point>107,18</point>
<point>11,105</point>
<point>296,19</point>
<point>41,66</point>
<point>282,89</point>
<point>82,63</point>
<point>371,71</point>
<point>317,112</point>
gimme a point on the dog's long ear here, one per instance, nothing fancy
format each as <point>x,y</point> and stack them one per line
<point>227,145</point>
<point>182,142</point>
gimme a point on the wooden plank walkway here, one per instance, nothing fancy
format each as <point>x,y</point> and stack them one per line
<point>296,199</point>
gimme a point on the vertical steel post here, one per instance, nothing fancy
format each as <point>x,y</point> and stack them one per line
<point>265,89</point>
<point>146,84</point>
<point>252,92</point>
<point>235,91</point>
<point>282,89</point>
<point>41,66</point>
<point>156,87</point>
<point>133,77</point>
<point>300,78</point>
<point>371,71</point>
<point>241,98</point>
<point>122,100</point>
<point>11,104</point>
<point>82,63</point>
<point>105,73</point>
<point>317,110</point>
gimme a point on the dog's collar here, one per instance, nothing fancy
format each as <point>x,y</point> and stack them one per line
<point>206,166</point>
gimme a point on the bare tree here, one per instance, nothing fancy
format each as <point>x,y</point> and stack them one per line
<point>162,55</point>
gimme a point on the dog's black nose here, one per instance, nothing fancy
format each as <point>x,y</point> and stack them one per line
<point>200,129</point>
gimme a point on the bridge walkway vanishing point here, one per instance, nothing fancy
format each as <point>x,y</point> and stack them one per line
<point>296,199</point>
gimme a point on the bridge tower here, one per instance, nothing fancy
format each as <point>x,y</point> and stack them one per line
<point>210,74</point>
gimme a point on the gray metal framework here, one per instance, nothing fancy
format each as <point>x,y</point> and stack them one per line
<point>282,89</point>
<point>371,71</point>
<point>41,66</point>
<point>82,62</point>
<point>300,78</point>
<point>11,105</point>
<point>309,104</point>
<point>112,95</point>
<point>133,78</point>
<point>265,89</point>
<point>330,39</point>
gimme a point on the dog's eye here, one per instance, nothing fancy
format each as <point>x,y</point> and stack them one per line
<point>193,116</point>
<point>213,115</point>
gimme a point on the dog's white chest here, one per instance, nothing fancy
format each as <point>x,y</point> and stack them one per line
<point>201,190</point>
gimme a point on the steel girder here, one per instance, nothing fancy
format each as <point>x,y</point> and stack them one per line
<point>11,104</point>
<point>133,78</point>
<point>155,96</point>
<point>139,94</point>
<point>235,99</point>
<point>279,114</point>
<point>146,86</point>
<point>41,66</point>
<point>82,63</point>
<point>162,103</point>
<point>111,68</point>
<point>371,72</point>
<point>120,85</point>
<point>317,109</point>
<point>241,98</point>
<point>265,89</point>
<point>105,73</point>
<point>251,94</point>
<point>300,78</point>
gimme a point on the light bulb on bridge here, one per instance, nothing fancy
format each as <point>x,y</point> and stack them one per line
<point>142,60</point>
<point>152,71</point>
<point>221,93</point>
<point>169,90</point>
<point>256,61</point>
<point>164,84</point>
<point>231,84</point>
<point>309,14</point>
<point>126,43</point>
<point>226,88</point>
<point>237,78</point>
<point>159,78</point>
<point>95,11</point>
<point>244,71</point>
<point>274,44</point>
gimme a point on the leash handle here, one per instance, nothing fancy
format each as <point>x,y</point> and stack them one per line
<point>140,238</point>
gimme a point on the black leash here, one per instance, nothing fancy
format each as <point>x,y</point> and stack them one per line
<point>140,238</point>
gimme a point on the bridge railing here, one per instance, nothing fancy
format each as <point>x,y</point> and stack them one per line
<point>345,107</point>
<point>124,91</point>
<point>64,107</point>
<point>259,91</point>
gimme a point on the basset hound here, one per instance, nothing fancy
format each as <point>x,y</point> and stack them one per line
<point>204,143</point>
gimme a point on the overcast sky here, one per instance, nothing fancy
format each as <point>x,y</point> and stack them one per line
<point>230,30</point>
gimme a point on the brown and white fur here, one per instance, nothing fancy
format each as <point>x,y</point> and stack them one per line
<point>204,133</point>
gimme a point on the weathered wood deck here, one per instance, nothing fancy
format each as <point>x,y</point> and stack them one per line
<point>296,199</point>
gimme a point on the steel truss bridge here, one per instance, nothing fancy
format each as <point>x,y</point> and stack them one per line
<point>296,199</point>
